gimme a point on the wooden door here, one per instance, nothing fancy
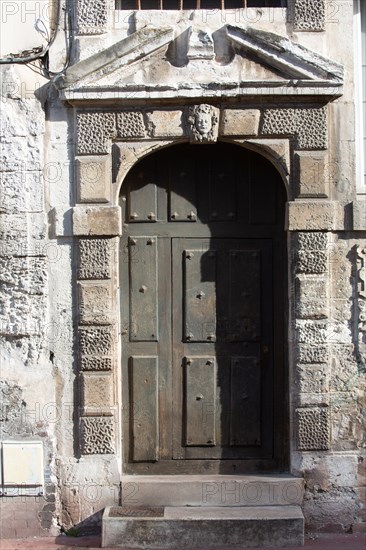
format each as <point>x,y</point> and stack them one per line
<point>202,294</point>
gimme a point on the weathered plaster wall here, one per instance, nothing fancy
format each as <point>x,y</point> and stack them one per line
<point>28,373</point>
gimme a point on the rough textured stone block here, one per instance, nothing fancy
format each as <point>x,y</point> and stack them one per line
<point>97,435</point>
<point>96,340</point>
<point>307,125</point>
<point>97,394</point>
<point>97,220</point>
<point>94,132</point>
<point>95,304</point>
<point>309,15</point>
<point>312,354</point>
<point>312,378</point>
<point>95,258</point>
<point>313,240</point>
<point>312,261</point>
<point>96,363</point>
<point>313,428</point>
<point>312,178</point>
<point>92,17</point>
<point>312,298</point>
<point>236,122</point>
<point>309,215</point>
<point>130,125</point>
<point>94,178</point>
<point>312,332</point>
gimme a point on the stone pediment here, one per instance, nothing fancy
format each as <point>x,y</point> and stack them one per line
<point>231,62</point>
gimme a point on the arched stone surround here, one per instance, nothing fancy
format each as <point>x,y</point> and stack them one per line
<point>109,143</point>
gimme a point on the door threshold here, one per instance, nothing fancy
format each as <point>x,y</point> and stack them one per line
<point>212,490</point>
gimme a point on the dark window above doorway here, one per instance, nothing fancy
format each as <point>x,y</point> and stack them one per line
<point>197,4</point>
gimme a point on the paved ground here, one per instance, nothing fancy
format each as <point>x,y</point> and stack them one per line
<point>316,542</point>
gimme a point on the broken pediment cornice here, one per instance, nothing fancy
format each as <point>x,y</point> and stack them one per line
<point>138,45</point>
<point>139,67</point>
<point>291,59</point>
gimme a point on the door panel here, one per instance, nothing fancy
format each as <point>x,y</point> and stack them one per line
<point>200,397</point>
<point>245,404</point>
<point>143,263</point>
<point>144,389</point>
<point>244,295</point>
<point>199,295</point>
<point>238,393</point>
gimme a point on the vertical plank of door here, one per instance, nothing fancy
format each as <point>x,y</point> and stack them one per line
<point>143,289</point>
<point>164,348</point>
<point>245,409</point>
<point>200,401</point>
<point>182,192</point>
<point>142,195</point>
<point>245,295</point>
<point>223,205</point>
<point>200,295</point>
<point>144,408</point>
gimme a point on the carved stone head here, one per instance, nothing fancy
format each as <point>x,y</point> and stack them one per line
<point>203,122</point>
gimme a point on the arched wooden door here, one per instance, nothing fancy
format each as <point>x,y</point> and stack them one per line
<point>202,277</point>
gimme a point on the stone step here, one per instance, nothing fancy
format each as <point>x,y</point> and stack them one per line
<point>212,490</point>
<point>202,527</point>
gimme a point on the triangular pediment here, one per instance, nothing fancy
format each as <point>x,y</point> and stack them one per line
<point>154,63</point>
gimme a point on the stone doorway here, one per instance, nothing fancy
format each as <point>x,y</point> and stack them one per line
<point>202,278</point>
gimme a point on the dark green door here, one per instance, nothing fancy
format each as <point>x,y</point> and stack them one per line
<point>202,294</point>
